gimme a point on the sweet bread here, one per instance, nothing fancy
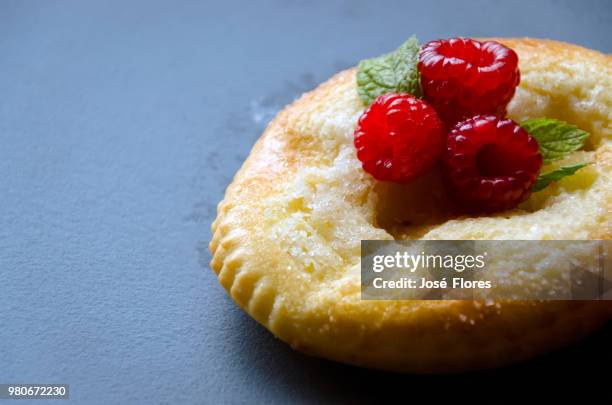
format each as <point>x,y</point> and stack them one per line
<point>286,242</point>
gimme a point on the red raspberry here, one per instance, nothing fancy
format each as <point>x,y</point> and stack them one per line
<point>490,163</point>
<point>464,77</point>
<point>398,138</point>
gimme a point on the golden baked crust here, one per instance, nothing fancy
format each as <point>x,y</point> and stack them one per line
<point>286,242</point>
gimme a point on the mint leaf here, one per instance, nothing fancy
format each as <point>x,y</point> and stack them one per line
<point>557,139</point>
<point>544,180</point>
<point>395,72</point>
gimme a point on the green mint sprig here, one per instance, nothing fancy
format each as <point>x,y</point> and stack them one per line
<point>544,180</point>
<point>557,139</point>
<point>395,72</point>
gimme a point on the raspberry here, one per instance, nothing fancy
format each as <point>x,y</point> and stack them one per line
<point>464,77</point>
<point>398,138</point>
<point>490,163</point>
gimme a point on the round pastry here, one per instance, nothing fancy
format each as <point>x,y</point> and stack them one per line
<point>286,242</point>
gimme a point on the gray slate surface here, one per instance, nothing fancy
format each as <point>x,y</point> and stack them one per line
<point>121,124</point>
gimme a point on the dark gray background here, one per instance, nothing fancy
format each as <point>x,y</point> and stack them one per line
<point>121,124</point>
